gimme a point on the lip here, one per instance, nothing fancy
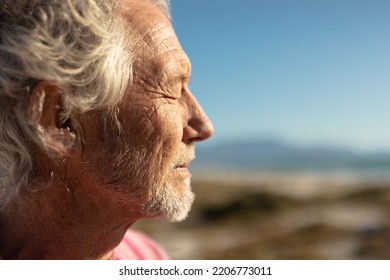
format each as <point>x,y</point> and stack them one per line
<point>185,165</point>
<point>183,168</point>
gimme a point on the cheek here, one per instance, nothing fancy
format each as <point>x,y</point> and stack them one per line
<point>170,121</point>
<point>168,131</point>
<point>153,123</point>
<point>157,127</point>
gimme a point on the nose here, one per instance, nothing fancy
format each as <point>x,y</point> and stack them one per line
<point>198,126</point>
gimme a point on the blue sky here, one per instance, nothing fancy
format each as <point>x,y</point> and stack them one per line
<point>304,71</point>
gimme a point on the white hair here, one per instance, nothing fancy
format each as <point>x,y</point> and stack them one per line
<point>77,45</point>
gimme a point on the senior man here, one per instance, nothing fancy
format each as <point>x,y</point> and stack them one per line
<point>97,125</point>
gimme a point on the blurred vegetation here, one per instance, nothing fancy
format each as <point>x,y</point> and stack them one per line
<point>247,221</point>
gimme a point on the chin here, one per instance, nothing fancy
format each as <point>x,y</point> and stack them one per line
<point>171,202</point>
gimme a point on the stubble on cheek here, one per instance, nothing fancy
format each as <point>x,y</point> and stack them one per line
<point>128,157</point>
<point>135,161</point>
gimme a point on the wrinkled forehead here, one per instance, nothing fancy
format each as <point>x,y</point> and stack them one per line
<point>156,46</point>
<point>148,24</point>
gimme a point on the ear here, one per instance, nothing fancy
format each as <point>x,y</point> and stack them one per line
<point>56,130</point>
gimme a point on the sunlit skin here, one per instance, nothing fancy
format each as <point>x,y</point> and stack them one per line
<point>115,177</point>
<point>160,117</point>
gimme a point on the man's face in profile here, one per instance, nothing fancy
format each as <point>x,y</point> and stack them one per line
<point>144,160</point>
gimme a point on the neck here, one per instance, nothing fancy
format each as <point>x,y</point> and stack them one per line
<point>60,222</point>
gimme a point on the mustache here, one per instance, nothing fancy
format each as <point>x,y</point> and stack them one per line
<point>182,158</point>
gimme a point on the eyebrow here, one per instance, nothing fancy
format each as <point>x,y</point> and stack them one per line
<point>184,74</point>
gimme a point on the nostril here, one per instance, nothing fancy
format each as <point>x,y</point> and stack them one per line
<point>199,129</point>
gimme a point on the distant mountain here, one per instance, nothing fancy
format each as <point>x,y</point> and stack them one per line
<point>269,154</point>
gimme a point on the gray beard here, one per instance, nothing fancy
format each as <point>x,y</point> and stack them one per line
<point>132,171</point>
<point>170,205</point>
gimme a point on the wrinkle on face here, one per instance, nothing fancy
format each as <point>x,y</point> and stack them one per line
<point>167,63</point>
<point>152,115</point>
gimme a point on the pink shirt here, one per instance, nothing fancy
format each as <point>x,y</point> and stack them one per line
<point>137,246</point>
